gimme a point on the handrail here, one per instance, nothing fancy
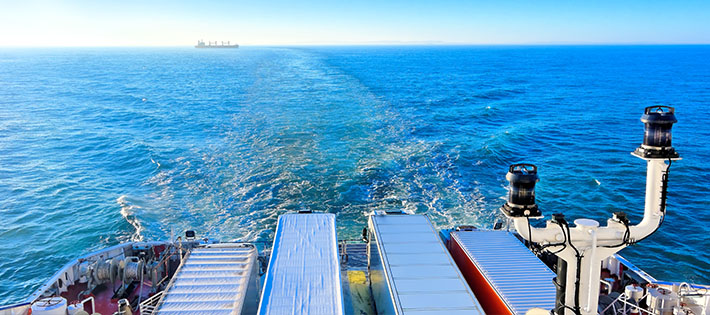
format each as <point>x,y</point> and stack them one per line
<point>624,299</point>
<point>608,286</point>
<point>148,306</point>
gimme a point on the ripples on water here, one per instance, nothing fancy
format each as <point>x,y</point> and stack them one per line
<point>100,146</point>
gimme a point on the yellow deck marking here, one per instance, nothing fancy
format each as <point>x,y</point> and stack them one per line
<point>360,293</point>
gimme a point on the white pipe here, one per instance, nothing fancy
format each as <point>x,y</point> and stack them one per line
<point>553,234</point>
<point>652,211</point>
<point>612,235</point>
<point>592,239</point>
<point>538,235</point>
<point>592,260</point>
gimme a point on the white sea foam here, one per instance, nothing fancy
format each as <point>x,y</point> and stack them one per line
<point>128,210</point>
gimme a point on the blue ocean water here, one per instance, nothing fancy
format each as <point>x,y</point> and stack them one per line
<point>100,146</point>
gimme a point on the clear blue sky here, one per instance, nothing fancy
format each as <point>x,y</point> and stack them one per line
<point>256,22</point>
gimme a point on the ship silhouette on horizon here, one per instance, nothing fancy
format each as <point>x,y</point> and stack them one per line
<point>215,44</point>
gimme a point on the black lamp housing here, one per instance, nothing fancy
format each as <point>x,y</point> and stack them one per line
<point>658,121</point>
<point>521,196</point>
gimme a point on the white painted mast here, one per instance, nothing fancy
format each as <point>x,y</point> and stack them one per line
<point>584,246</point>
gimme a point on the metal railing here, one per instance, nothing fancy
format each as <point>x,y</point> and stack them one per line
<point>148,306</point>
<point>627,306</point>
<point>355,244</point>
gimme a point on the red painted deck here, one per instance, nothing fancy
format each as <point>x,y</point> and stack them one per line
<point>102,296</point>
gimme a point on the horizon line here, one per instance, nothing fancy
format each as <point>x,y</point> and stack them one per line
<point>381,43</point>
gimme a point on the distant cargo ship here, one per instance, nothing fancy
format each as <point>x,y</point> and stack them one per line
<point>201,44</point>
